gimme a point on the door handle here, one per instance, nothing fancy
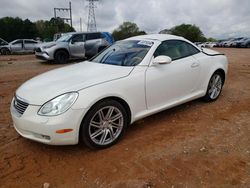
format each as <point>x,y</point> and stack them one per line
<point>194,65</point>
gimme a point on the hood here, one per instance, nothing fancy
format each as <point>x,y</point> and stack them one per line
<point>45,44</point>
<point>46,86</point>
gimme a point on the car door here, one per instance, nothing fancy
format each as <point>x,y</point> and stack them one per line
<point>76,46</point>
<point>167,84</point>
<point>29,45</point>
<point>16,46</point>
<point>93,42</point>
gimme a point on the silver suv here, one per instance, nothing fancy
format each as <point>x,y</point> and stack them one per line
<point>74,45</point>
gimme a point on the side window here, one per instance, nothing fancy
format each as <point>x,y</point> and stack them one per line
<point>187,49</point>
<point>78,38</point>
<point>30,42</point>
<point>93,36</point>
<point>175,49</point>
<point>18,42</point>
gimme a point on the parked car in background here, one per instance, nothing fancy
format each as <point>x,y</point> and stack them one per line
<point>19,46</point>
<point>219,43</point>
<point>74,45</point>
<point>244,43</point>
<point>95,101</point>
<point>237,43</point>
<point>57,36</point>
<point>207,45</point>
<point>231,42</point>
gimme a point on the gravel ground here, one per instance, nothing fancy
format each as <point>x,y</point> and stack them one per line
<point>193,145</point>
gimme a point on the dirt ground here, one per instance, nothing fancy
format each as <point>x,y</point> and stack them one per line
<point>194,145</point>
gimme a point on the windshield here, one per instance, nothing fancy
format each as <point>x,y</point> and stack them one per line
<point>64,38</point>
<point>124,53</point>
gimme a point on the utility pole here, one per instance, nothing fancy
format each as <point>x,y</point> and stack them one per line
<point>67,10</point>
<point>81,24</point>
<point>91,17</point>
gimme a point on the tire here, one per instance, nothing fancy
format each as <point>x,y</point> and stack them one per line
<point>248,45</point>
<point>61,57</point>
<point>104,124</point>
<point>5,51</point>
<point>214,88</point>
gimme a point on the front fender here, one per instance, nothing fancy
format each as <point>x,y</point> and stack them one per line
<point>218,62</point>
<point>130,89</point>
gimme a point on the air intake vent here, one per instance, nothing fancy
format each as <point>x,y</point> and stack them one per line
<point>20,106</point>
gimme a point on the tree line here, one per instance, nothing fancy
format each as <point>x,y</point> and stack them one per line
<point>188,31</point>
<point>16,28</point>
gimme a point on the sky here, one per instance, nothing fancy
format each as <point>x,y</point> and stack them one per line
<point>216,18</point>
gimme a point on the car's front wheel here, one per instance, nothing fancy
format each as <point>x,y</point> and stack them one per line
<point>5,51</point>
<point>104,124</point>
<point>214,87</point>
<point>61,57</point>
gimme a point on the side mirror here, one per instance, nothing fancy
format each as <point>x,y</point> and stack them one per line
<point>162,59</point>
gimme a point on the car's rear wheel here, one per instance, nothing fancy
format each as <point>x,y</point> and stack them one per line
<point>104,124</point>
<point>5,51</point>
<point>61,57</point>
<point>214,87</point>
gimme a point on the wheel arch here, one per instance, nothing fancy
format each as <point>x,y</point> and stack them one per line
<point>5,48</point>
<point>61,49</point>
<point>222,72</point>
<point>115,98</point>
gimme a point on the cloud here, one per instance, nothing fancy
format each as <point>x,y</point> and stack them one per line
<point>219,19</point>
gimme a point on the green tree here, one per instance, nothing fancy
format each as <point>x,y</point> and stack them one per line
<point>127,29</point>
<point>188,31</point>
<point>16,28</point>
<point>212,40</point>
<point>47,29</point>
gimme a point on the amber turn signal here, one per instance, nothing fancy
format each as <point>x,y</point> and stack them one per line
<point>64,131</point>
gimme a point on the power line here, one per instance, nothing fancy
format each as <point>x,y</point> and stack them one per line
<point>91,17</point>
<point>67,10</point>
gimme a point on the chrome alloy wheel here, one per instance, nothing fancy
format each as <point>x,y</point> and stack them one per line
<point>215,86</point>
<point>106,125</point>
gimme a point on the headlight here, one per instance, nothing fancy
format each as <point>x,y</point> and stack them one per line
<point>49,46</point>
<point>58,105</point>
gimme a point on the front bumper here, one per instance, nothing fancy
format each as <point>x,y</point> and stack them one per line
<point>43,129</point>
<point>43,56</point>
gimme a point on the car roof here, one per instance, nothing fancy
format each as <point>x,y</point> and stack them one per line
<point>79,33</point>
<point>159,37</point>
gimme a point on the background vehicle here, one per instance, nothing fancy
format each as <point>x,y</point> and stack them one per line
<point>231,42</point>
<point>94,101</point>
<point>244,43</point>
<point>19,46</point>
<point>74,45</point>
<point>206,44</point>
<point>220,43</point>
<point>237,43</point>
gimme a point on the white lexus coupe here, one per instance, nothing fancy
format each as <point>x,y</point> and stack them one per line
<point>94,101</point>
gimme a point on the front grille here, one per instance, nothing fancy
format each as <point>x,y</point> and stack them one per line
<point>20,106</point>
<point>38,50</point>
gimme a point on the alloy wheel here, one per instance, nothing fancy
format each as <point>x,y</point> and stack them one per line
<point>106,125</point>
<point>215,86</point>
